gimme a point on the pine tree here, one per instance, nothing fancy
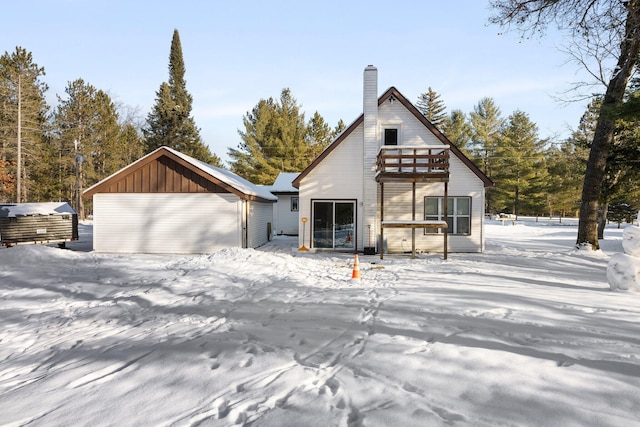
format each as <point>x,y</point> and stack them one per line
<point>274,140</point>
<point>486,124</point>
<point>277,139</point>
<point>7,181</point>
<point>23,120</point>
<point>458,130</point>
<point>432,107</point>
<point>565,164</point>
<point>520,168</point>
<point>170,122</point>
<point>609,33</point>
<point>88,140</point>
<point>319,136</point>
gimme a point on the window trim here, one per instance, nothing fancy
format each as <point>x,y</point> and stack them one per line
<point>385,129</point>
<point>453,217</point>
<point>295,200</point>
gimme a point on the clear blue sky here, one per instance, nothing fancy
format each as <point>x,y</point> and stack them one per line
<point>237,53</point>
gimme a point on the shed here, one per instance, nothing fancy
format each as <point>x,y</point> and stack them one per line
<point>285,211</point>
<point>37,223</point>
<point>168,202</point>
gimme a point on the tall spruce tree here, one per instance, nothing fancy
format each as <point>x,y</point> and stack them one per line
<point>23,122</point>
<point>486,124</point>
<point>170,122</point>
<point>432,107</point>
<point>520,170</point>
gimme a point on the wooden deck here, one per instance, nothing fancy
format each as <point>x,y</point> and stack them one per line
<point>426,163</point>
<point>421,163</point>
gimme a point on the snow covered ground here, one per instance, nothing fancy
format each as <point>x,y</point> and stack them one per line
<point>527,333</point>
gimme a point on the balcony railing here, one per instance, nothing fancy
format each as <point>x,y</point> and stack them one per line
<point>418,163</point>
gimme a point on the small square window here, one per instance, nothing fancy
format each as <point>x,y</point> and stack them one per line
<point>294,204</point>
<point>391,136</point>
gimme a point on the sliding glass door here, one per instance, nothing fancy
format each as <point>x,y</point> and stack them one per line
<point>334,224</point>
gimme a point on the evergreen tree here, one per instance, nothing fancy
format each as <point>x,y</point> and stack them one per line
<point>87,140</point>
<point>319,136</point>
<point>7,181</point>
<point>23,121</point>
<point>458,130</point>
<point>609,32</point>
<point>170,122</point>
<point>131,143</point>
<point>520,168</point>
<point>274,140</point>
<point>622,174</point>
<point>565,164</point>
<point>432,107</point>
<point>277,139</point>
<point>486,124</point>
<point>340,127</point>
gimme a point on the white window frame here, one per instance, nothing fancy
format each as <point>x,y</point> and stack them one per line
<point>452,218</point>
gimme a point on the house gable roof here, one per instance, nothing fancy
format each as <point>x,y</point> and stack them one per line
<point>392,91</point>
<point>282,184</point>
<point>205,177</point>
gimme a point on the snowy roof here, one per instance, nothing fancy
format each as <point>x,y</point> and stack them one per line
<point>283,183</point>
<point>31,209</point>
<point>227,176</point>
<point>240,184</point>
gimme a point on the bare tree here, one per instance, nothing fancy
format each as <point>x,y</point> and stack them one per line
<point>602,27</point>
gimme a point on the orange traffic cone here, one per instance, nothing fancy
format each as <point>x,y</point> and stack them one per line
<point>355,276</point>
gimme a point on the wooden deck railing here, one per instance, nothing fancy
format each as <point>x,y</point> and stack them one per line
<point>413,163</point>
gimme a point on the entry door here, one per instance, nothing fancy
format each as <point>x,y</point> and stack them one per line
<point>334,224</point>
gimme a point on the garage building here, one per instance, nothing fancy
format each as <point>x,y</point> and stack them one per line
<point>168,202</point>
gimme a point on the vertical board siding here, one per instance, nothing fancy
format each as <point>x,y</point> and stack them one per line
<point>164,175</point>
<point>166,222</point>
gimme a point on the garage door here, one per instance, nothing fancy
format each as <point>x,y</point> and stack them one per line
<point>166,223</point>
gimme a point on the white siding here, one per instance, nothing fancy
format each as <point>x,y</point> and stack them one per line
<point>345,173</point>
<point>370,147</point>
<point>412,131</point>
<point>285,221</point>
<point>397,205</point>
<point>166,222</point>
<point>338,176</point>
<point>260,214</point>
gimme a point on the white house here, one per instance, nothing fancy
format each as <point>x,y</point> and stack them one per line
<point>390,177</point>
<point>168,202</point>
<point>285,211</point>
